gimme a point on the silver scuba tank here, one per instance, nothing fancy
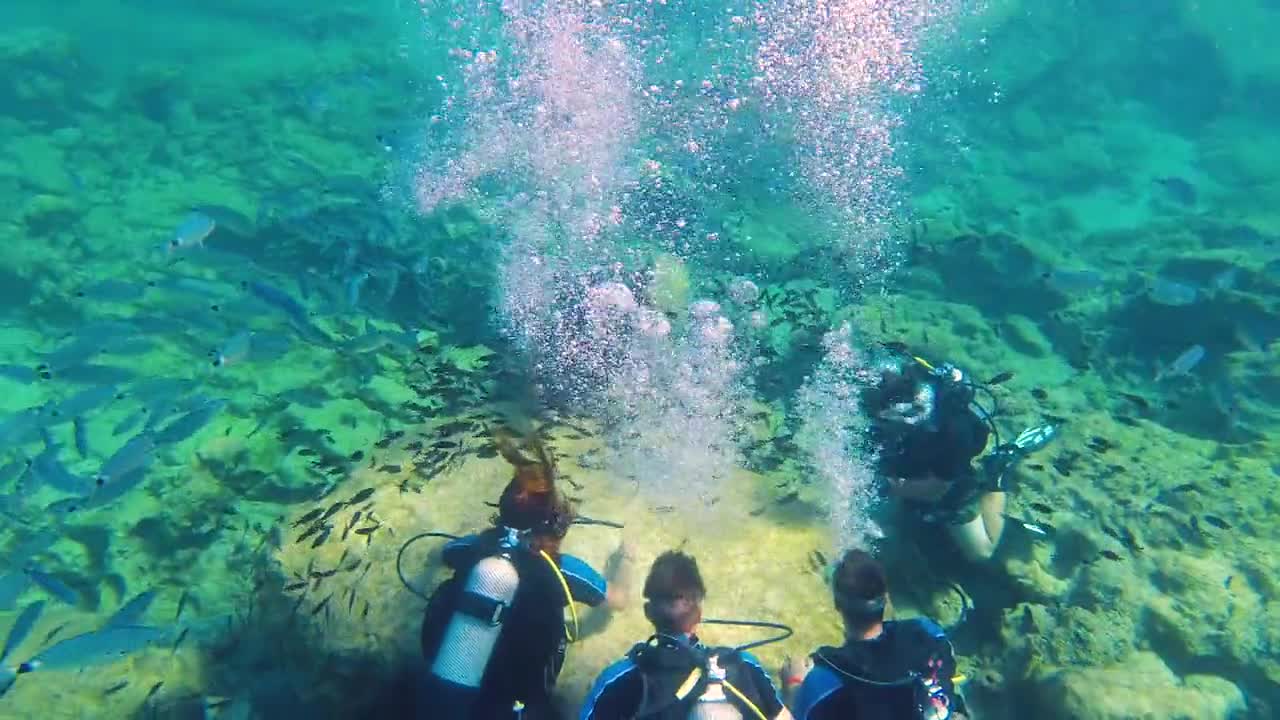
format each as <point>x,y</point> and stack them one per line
<point>714,704</point>
<point>469,640</point>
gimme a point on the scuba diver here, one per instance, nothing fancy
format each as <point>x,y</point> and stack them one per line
<point>886,670</point>
<point>929,427</point>
<point>494,635</point>
<point>673,676</point>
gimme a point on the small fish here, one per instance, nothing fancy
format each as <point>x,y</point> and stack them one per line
<point>1070,282</point>
<point>178,642</point>
<point>332,509</point>
<point>367,530</point>
<point>295,586</point>
<point>1184,487</point>
<point>315,527</point>
<point>133,454</point>
<point>21,628</point>
<point>182,604</point>
<point>116,688</point>
<point>54,633</point>
<point>1041,508</point>
<point>1001,378</point>
<point>354,286</point>
<point>361,496</point>
<point>351,599</point>
<point>234,350</point>
<point>81,434</point>
<point>131,612</point>
<point>1172,293</point>
<point>392,469</point>
<point>357,456</point>
<point>189,424</point>
<point>190,233</point>
<point>1111,555</point>
<point>321,605</point>
<point>324,535</point>
<point>53,586</point>
<point>308,517</point>
<point>1217,522</point>
<point>365,612</point>
<point>154,689</point>
<point>130,421</point>
<point>1183,364</point>
<point>1138,401</point>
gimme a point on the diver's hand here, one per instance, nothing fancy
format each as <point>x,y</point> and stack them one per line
<point>929,488</point>
<point>794,671</point>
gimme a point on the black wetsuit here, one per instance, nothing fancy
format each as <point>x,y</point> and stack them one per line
<point>943,445</point>
<point>905,673</point>
<point>661,668</point>
<point>531,647</point>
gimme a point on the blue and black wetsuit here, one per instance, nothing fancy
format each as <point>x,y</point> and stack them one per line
<point>620,691</point>
<point>906,672</point>
<point>531,647</point>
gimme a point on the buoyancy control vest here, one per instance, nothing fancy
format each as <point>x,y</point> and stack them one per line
<point>682,681</point>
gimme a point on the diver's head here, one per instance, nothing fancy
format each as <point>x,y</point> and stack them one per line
<point>861,591</point>
<point>531,502</point>
<point>673,594</point>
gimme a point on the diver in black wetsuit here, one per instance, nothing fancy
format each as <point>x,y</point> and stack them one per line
<point>885,670</point>
<point>495,635</point>
<point>929,428</point>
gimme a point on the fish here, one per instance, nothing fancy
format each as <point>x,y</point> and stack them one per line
<point>80,432</point>
<point>354,286</point>
<point>308,517</point>
<point>51,471</point>
<point>83,402</point>
<point>361,496</point>
<point>322,537</point>
<point>112,290</point>
<point>116,688</point>
<point>1183,364</point>
<point>1041,507</point>
<point>321,605</point>
<point>181,636</point>
<point>1111,555</point>
<point>18,373</point>
<point>131,612</point>
<point>1217,522</point>
<point>133,454</point>
<point>1138,401</point>
<point>104,645</point>
<point>391,469</point>
<point>12,585</point>
<point>116,488</point>
<point>194,229</point>
<point>53,586</point>
<point>294,310</point>
<point>367,530</point>
<point>189,424</point>
<point>1001,378</point>
<point>21,628</point>
<point>332,509</point>
<point>1172,292</point>
<point>1070,282</point>
<point>295,586</point>
<point>234,350</point>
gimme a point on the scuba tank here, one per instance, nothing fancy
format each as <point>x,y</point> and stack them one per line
<point>713,704</point>
<point>476,622</point>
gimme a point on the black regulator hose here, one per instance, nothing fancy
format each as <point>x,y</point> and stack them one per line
<point>786,631</point>
<point>400,555</point>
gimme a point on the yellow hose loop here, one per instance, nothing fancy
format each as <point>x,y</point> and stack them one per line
<point>568,596</point>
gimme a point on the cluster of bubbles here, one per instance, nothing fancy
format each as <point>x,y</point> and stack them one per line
<point>599,135</point>
<point>833,432</point>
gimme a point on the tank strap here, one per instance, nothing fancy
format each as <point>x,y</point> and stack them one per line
<point>482,608</point>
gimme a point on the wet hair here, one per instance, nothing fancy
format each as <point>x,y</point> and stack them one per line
<point>674,592</point>
<point>861,588</point>
<point>531,500</point>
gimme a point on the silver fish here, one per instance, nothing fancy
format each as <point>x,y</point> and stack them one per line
<point>49,470</point>
<point>190,233</point>
<point>53,586</point>
<point>21,628</point>
<point>131,612</point>
<point>106,645</point>
<point>1070,282</point>
<point>83,402</point>
<point>189,424</point>
<point>234,350</point>
<point>1183,364</point>
<point>12,585</point>
<point>133,454</point>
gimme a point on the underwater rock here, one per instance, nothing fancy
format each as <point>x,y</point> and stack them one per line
<point>1141,686</point>
<point>1025,336</point>
<point>1200,593</point>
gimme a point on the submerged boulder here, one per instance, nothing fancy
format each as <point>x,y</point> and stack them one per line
<point>1140,687</point>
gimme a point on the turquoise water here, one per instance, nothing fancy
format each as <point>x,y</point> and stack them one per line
<point>263,258</point>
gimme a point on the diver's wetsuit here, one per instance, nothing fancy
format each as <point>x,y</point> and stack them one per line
<point>942,445</point>
<point>906,672</point>
<point>619,691</point>
<point>531,647</point>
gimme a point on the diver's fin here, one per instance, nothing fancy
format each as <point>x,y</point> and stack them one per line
<point>1034,438</point>
<point>1039,529</point>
